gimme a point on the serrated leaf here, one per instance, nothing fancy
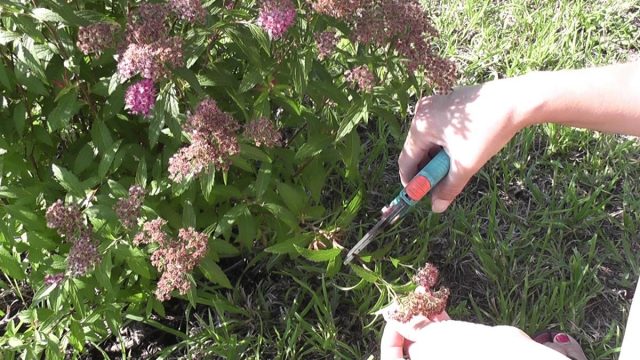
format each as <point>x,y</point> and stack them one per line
<point>7,36</point>
<point>254,153</point>
<point>247,229</point>
<point>10,265</point>
<point>292,197</point>
<point>263,180</point>
<point>188,215</point>
<point>207,181</point>
<point>107,159</point>
<point>67,180</point>
<point>4,78</point>
<point>19,117</point>
<point>84,159</point>
<point>318,255</point>
<point>137,261</point>
<point>214,273</point>
<point>141,172</point>
<point>282,214</point>
<point>190,78</point>
<point>156,123</point>
<point>224,248</point>
<point>77,338</point>
<point>26,57</point>
<point>101,136</point>
<point>350,212</point>
<point>364,274</point>
<point>60,116</point>
<point>356,114</point>
<point>250,80</point>
<point>44,14</point>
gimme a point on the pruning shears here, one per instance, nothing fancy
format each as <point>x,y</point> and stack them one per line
<point>425,180</point>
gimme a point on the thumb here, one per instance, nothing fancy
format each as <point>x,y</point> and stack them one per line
<point>449,188</point>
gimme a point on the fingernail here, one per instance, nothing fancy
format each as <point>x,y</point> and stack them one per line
<point>561,338</point>
<point>439,205</point>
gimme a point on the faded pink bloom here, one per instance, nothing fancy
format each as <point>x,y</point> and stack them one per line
<point>53,279</point>
<point>174,258</point>
<point>69,223</point>
<point>147,24</point>
<point>339,8</point>
<point>83,255</point>
<point>140,97</point>
<point>189,10</point>
<point>128,209</point>
<point>152,61</point>
<point>276,17</point>
<point>427,276</point>
<point>326,42</point>
<point>213,142</point>
<point>96,37</point>
<point>66,219</point>
<point>152,233</point>
<point>263,132</point>
<point>362,77</point>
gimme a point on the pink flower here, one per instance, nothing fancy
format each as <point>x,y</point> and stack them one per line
<point>141,97</point>
<point>276,17</point>
<point>53,279</point>
<point>66,219</point>
<point>263,132</point>
<point>96,37</point>
<point>189,10</point>
<point>147,24</point>
<point>362,77</point>
<point>151,61</point>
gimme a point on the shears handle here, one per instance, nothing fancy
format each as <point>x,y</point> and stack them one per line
<point>430,175</point>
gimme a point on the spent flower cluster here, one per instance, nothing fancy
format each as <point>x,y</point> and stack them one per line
<point>276,17</point>
<point>401,24</point>
<point>426,301</point>
<point>263,133</point>
<point>361,77</point>
<point>189,10</point>
<point>326,42</point>
<point>128,209</point>
<point>96,37</point>
<point>69,223</point>
<point>175,258</point>
<point>213,142</point>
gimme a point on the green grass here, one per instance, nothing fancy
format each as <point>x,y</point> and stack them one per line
<point>545,236</point>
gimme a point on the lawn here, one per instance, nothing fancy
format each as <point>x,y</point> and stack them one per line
<point>546,236</point>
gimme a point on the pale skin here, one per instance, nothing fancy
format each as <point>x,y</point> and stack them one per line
<point>474,123</point>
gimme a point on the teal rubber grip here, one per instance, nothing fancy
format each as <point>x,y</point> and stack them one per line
<point>426,179</point>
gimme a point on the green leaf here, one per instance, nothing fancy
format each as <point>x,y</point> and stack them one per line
<point>318,255</point>
<point>101,136</point>
<point>190,78</point>
<point>107,159</point>
<point>263,180</point>
<point>224,248</point>
<point>84,159</point>
<point>67,180</point>
<point>19,117</point>
<point>356,114</point>
<point>345,219</point>
<point>7,36</point>
<point>188,215</point>
<point>207,181</point>
<point>250,80</point>
<point>4,78</point>
<point>247,229</point>
<point>213,272</point>
<point>259,35</point>
<point>60,116</point>
<point>137,261</point>
<point>44,14</point>
<point>141,172</point>
<point>293,198</point>
<point>364,274</point>
<point>156,122</point>
<point>254,153</point>
<point>10,265</point>
<point>26,57</point>
<point>282,214</point>
<point>290,245</point>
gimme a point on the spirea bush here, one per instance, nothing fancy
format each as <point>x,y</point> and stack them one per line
<point>143,143</point>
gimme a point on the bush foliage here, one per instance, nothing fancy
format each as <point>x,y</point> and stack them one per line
<point>144,143</point>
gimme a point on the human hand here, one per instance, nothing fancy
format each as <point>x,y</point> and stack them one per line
<point>472,124</point>
<point>443,338</point>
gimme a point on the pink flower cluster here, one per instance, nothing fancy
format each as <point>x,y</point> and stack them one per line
<point>151,61</point>
<point>424,301</point>
<point>128,209</point>
<point>69,223</point>
<point>213,142</point>
<point>53,279</point>
<point>189,10</point>
<point>96,37</point>
<point>263,132</point>
<point>326,42</point>
<point>361,77</point>
<point>276,17</point>
<point>141,97</point>
<point>402,24</point>
<point>175,258</point>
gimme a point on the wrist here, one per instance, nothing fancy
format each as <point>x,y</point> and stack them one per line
<point>534,100</point>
